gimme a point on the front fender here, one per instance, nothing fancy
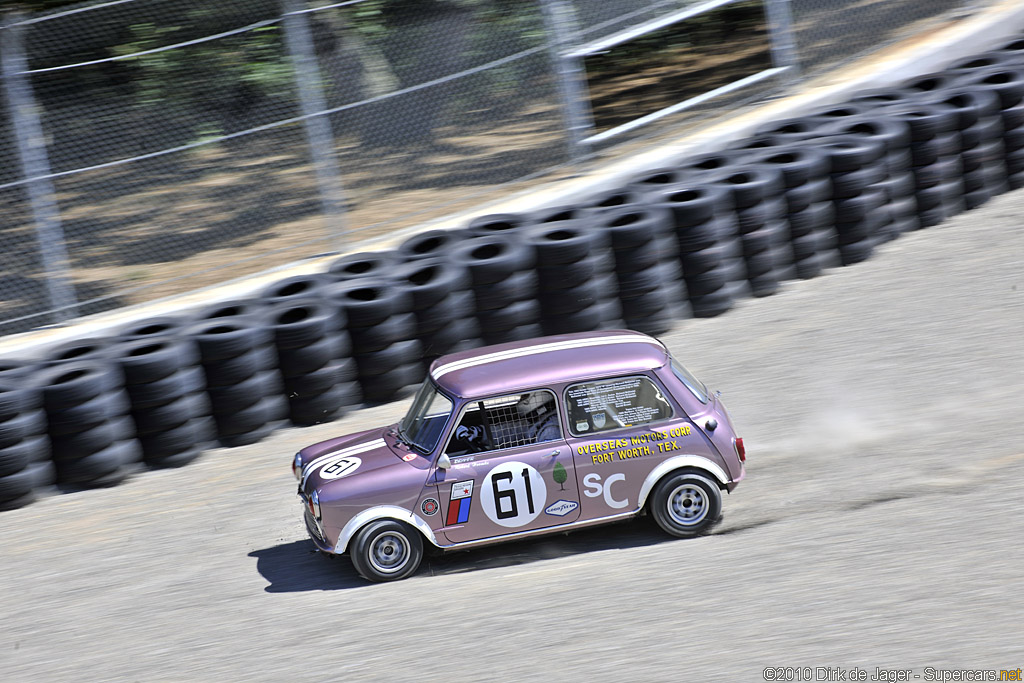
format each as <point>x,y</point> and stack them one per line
<point>675,463</point>
<point>381,512</point>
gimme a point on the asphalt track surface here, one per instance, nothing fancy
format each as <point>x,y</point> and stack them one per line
<point>880,525</point>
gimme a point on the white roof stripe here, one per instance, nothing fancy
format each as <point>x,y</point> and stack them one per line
<point>540,348</point>
<point>351,450</point>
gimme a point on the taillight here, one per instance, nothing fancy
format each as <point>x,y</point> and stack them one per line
<point>740,450</point>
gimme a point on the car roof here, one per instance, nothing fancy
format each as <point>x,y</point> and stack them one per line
<point>546,361</point>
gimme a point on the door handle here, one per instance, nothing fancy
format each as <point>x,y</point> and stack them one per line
<point>554,453</point>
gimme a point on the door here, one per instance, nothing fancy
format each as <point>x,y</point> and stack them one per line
<point>511,471</point>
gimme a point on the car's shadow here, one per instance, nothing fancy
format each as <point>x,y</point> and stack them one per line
<point>297,566</point>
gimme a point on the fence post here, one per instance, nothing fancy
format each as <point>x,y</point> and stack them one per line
<point>35,168</point>
<point>780,30</point>
<point>561,34</point>
<point>299,40</point>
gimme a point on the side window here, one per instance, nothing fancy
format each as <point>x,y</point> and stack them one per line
<point>613,404</point>
<point>506,422</point>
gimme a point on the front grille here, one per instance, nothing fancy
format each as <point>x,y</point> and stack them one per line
<point>313,528</point>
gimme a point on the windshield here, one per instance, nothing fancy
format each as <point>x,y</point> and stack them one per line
<point>695,386</point>
<point>423,424</point>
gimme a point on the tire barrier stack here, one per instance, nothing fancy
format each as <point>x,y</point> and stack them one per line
<point>577,289</point>
<point>25,455</point>
<point>166,391</point>
<point>709,253</point>
<point>239,363</point>
<point>443,307</point>
<point>504,285</point>
<point>91,431</point>
<point>796,198</point>
<point>382,328</point>
<point>647,268</point>
<point>314,349</point>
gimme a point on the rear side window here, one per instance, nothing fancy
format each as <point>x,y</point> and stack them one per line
<point>613,404</point>
<point>695,386</point>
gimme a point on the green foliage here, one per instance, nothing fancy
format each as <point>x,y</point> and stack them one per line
<point>559,475</point>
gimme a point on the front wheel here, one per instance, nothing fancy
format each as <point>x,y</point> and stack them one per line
<point>386,550</point>
<point>686,504</point>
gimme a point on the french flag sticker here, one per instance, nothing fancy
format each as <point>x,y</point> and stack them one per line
<point>458,506</point>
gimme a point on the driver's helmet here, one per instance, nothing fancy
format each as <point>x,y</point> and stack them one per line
<point>535,403</point>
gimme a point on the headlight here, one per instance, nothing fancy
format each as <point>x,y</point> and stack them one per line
<point>314,505</point>
<point>297,465</point>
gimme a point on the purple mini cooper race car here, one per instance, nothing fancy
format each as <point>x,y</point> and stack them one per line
<point>525,438</point>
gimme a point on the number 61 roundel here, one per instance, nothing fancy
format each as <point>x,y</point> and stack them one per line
<point>513,494</point>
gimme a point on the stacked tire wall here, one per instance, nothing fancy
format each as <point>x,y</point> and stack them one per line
<point>794,200</point>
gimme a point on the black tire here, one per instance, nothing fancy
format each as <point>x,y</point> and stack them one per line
<point>159,326</point>
<point>557,244</point>
<point>16,489</point>
<point>848,153</point>
<point>297,287</point>
<point>72,383</point>
<point>102,468</point>
<point>364,264</point>
<point>892,133</point>
<point>455,306</point>
<point>712,304</point>
<point>635,226</point>
<point>493,258</point>
<point>855,182</point>
<point>234,370</point>
<point>301,323</point>
<point>238,310</point>
<point>162,391</point>
<point>432,281</point>
<point>391,384</point>
<point>386,550</point>
<point>228,337</point>
<point>245,393</point>
<point>499,294</point>
<point>97,348</point>
<point>368,301</point>
<point>856,252</point>
<point>1008,84</point>
<point>307,359</point>
<point>813,191</point>
<point>430,244</point>
<point>752,184</point>
<point>495,224</point>
<point>385,360</point>
<point>613,199</point>
<point>513,315</point>
<point>692,205</point>
<point>151,359</point>
<point>267,410</point>
<point>570,300</point>
<point>87,414</point>
<point>856,208</point>
<point>169,415</point>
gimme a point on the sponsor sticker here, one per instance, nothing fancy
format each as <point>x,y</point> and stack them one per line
<point>430,507</point>
<point>460,502</point>
<point>582,426</point>
<point>560,508</point>
<point>409,456</point>
<point>462,489</point>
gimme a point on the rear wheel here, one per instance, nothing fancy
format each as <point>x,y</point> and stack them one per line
<point>686,504</point>
<point>386,550</point>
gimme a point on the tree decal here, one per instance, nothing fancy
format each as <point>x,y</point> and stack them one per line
<point>559,475</point>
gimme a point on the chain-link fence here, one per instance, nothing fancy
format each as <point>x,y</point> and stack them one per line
<point>150,147</point>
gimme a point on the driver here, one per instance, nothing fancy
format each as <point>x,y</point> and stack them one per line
<point>538,411</point>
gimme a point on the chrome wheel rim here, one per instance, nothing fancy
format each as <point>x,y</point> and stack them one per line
<point>389,552</point>
<point>688,505</point>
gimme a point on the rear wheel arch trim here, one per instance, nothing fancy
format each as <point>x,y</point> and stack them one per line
<point>375,513</point>
<point>676,463</point>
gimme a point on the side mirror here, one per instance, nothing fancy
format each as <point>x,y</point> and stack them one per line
<point>444,462</point>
